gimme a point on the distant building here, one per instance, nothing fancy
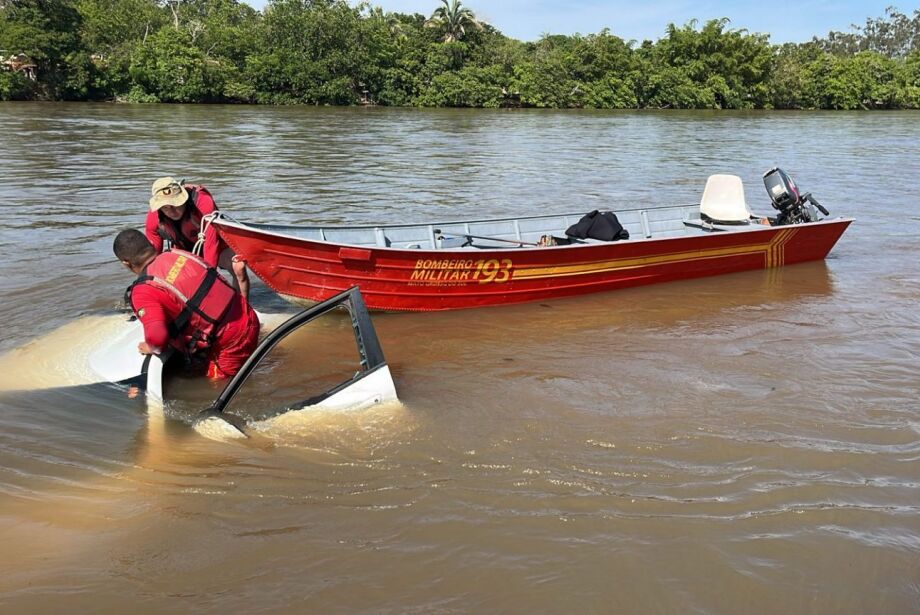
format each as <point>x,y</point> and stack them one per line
<point>18,63</point>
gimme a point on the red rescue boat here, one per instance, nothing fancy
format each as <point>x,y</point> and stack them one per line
<point>456,265</point>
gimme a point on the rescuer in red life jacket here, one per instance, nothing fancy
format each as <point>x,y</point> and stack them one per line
<point>183,303</point>
<point>175,216</point>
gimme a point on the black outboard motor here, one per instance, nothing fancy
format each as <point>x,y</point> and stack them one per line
<point>793,207</point>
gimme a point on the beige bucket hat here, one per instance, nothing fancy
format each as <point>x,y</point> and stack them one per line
<point>167,191</point>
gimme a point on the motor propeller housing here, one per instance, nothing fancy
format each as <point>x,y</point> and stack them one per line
<point>782,189</point>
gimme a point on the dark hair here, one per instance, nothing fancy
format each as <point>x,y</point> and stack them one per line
<point>131,245</point>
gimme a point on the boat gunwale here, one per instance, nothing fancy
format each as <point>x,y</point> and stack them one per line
<point>342,227</point>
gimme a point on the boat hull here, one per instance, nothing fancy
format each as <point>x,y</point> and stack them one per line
<point>394,279</point>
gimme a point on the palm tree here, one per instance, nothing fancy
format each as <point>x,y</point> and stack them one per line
<point>454,18</point>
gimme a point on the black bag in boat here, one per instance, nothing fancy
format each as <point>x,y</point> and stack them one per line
<point>597,225</point>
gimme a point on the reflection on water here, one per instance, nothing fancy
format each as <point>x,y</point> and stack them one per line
<point>744,443</point>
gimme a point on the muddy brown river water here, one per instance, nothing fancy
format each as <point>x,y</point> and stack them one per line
<point>741,444</point>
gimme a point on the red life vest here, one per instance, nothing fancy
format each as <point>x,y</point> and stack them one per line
<point>183,233</point>
<point>204,294</point>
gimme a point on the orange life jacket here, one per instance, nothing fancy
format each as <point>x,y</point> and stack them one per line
<point>205,295</point>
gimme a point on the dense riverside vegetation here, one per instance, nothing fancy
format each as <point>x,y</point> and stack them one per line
<point>330,52</point>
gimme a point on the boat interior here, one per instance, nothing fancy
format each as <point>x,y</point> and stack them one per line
<point>722,209</point>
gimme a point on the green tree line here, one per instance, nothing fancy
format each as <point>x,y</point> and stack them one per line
<point>331,52</point>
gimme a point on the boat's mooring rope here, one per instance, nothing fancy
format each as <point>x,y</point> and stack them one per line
<point>198,249</point>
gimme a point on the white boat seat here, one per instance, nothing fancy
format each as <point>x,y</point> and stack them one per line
<point>723,200</point>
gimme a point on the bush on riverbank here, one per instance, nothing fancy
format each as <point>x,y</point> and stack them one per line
<point>328,52</point>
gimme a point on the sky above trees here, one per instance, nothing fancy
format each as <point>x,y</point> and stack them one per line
<point>784,20</point>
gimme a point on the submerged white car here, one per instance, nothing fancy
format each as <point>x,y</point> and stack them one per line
<point>117,361</point>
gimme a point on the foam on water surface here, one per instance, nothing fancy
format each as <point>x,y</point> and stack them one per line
<point>216,428</point>
<point>349,427</point>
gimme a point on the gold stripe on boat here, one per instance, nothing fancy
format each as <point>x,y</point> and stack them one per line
<point>776,254</point>
<point>773,252</point>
